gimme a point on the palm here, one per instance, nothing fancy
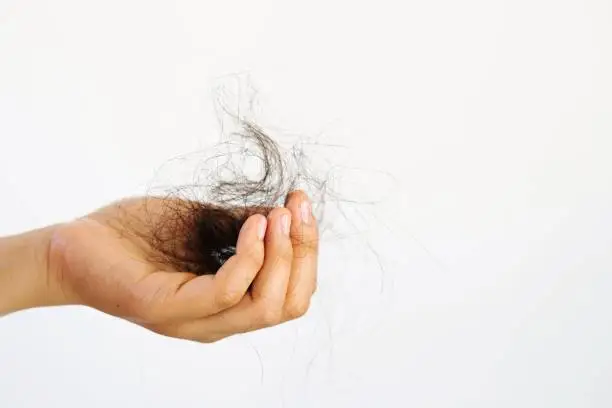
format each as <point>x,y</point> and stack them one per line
<point>101,265</point>
<point>270,279</point>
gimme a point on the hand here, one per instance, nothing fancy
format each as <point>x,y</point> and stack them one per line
<point>269,280</point>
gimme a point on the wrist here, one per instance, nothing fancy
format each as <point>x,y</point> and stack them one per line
<point>25,278</point>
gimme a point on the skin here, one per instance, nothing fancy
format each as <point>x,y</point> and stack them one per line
<point>92,262</point>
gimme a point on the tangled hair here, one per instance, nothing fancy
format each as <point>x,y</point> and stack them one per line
<point>195,228</point>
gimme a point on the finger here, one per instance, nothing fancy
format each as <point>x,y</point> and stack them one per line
<point>304,236</point>
<point>187,296</point>
<point>270,285</point>
<point>264,306</point>
<point>269,299</point>
<point>237,274</point>
<point>248,315</point>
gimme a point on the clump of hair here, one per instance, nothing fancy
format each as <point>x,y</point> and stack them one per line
<point>195,228</point>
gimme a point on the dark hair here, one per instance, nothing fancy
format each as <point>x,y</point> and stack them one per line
<point>197,228</point>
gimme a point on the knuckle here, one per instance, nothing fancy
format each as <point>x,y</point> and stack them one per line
<point>304,246</point>
<point>254,257</point>
<point>298,235</point>
<point>281,260</point>
<point>311,244</point>
<point>285,256</point>
<point>269,316</point>
<point>228,297</point>
<point>297,309</point>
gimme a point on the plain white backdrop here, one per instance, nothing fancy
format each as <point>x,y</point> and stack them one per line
<point>484,126</point>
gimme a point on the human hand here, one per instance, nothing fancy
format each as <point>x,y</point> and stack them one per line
<point>94,261</point>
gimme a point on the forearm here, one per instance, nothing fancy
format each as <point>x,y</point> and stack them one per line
<point>24,279</point>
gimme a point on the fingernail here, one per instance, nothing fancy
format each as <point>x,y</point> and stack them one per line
<point>261,228</point>
<point>285,224</point>
<point>305,210</point>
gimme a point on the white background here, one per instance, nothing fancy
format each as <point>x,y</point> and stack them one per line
<point>481,278</point>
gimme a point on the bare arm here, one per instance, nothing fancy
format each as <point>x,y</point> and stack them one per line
<point>269,280</point>
<point>24,279</point>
